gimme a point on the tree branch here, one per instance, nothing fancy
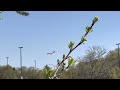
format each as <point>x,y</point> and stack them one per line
<point>71,50</point>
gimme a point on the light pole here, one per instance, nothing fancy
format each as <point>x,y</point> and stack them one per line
<point>35,63</point>
<point>7,60</point>
<point>118,54</point>
<point>21,61</point>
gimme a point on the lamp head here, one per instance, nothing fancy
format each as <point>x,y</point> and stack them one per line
<point>118,44</point>
<point>20,47</point>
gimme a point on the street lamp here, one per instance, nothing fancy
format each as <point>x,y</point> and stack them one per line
<point>21,61</point>
<point>35,63</point>
<point>118,54</point>
<point>7,60</point>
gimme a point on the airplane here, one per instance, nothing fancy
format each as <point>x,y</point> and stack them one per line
<point>51,53</point>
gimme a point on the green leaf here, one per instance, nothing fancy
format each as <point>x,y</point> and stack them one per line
<point>70,61</point>
<point>46,71</point>
<point>91,30</point>
<point>50,72</point>
<point>71,44</point>
<point>74,61</point>
<point>69,57</point>
<point>88,28</point>
<point>59,74</point>
<point>96,18</point>
<point>83,39</point>
<point>50,77</point>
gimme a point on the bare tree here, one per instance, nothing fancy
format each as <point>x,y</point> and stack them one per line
<point>93,64</point>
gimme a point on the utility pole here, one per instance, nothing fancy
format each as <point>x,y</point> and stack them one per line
<point>35,63</point>
<point>21,61</point>
<point>118,55</point>
<point>7,60</point>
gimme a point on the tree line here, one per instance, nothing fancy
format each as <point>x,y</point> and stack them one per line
<point>95,64</point>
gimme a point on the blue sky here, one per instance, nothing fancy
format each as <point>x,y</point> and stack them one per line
<point>46,31</point>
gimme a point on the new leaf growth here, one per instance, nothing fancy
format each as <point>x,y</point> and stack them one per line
<point>71,61</point>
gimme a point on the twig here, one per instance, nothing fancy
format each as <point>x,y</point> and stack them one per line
<point>71,50</point>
